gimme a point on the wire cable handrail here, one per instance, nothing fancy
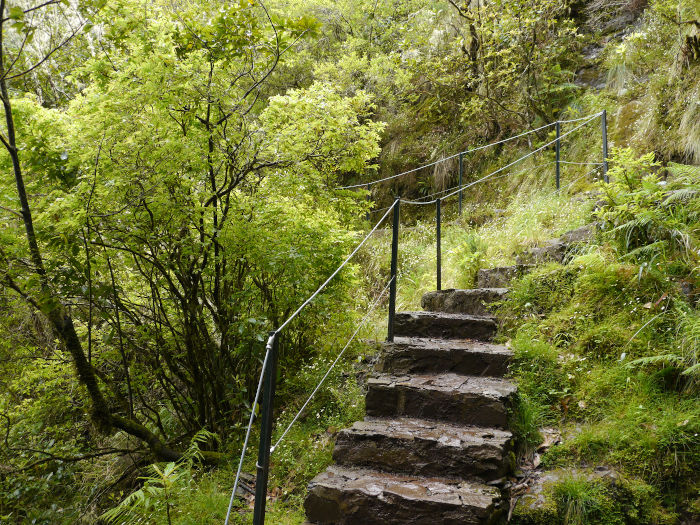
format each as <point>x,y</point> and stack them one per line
<point>346,261</point>
<point>267,378</point>
<point>538,166</point>
<point>268,348</point>
<point>323,379</point>
<point>466,152</point>
<point>520,159</point>
<point>580,163</point>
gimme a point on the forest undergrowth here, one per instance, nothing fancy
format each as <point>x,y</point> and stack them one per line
<point>169,194</point>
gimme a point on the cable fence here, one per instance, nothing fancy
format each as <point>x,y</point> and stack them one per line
<point>265,392</point>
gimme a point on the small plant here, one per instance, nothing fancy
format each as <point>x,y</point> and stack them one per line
<point>157,493</point>
<point>471,255</point>
<point>579,500</point>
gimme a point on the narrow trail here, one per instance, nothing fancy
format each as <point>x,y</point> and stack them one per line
<point>436,427</point>
<point>434,447</point>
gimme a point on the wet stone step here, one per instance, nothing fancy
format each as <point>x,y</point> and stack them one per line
<point>444,325</point>
<point>342,496</point>
<point>468,400</point>
<point>501,277</point>
<point>425,448</point>
<point>410,355</point>
<point>474,302</point>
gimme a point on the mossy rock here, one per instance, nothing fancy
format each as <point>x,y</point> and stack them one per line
<point>534,509</point>
<point>581,496</point>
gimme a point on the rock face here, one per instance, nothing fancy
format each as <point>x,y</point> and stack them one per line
<point>557,249</point>
<point>425,448</point>
<point>435,430</point>
<point>473,302</point>
<point>443,326</point>
<point>416,355</point>
<point>357,496</point>
<point>500,277</point>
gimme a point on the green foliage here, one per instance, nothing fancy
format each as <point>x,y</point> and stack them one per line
<point>471,254</point>
<point>605,346</point>
<point>536,364</point>
<point>156,494</point>
<point>651,220</point>
<point>580,501</point>
<point>181,159</point>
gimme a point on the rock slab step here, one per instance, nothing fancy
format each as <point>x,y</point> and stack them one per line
<point>472,302</point>
<point>343,496</point>
<point>444,325</point>
<point>410,355</point>
<point>425,448</point>
<point>466,400</point>
<point>502,276</point>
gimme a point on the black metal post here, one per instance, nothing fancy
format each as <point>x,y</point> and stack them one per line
<point>461,174</point>
<point>394,257</point>
<point>369,194</point>
<point>438,214</point>
<point>263,465</point>
<point>604,122</point>
<point>558,149</point>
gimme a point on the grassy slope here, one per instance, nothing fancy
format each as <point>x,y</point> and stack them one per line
<point>574,324</point>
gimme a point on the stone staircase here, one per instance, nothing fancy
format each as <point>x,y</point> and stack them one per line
<point>435,442</point>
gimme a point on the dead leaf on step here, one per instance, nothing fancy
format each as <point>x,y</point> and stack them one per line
<point>274,494</point>
<point>536,460</point>
<point>657,303</point>
<point>565,404</point>
<point>550,437</point>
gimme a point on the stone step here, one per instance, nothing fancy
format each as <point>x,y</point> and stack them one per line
<point>501,276</point>
<point>410,355</point>
<point>473,302</point>
<point>443,325</point>
<point>467,400</point>
<point>342,496</point>
<point>425,448</point>
<point>557,250</point>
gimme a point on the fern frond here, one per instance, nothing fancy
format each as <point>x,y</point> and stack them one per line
<point>692,371</point>
<point>665,359</point>
<point>682,195</point>
<point>646,250</point>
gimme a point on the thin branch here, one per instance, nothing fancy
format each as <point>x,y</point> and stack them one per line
<point>8,210</point>
<point>48,55</point>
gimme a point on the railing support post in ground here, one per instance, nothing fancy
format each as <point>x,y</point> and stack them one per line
<point>263,465</point>
<point>604,123</point>
<point>461,174</point>
<point>558,151</point>
<point>438,213</point>
<point>394,257</point>
<point>369,193</point>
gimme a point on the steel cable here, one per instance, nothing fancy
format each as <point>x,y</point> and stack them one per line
<point>352,338</point>
<point>466,152</point>
<point>267,354</point>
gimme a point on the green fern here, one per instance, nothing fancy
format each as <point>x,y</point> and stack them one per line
<point>157,490</point>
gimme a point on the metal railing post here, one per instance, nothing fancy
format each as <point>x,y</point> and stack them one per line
<point>394,257</point>
<point>263,465</point>
<point>438,213</point>
<point>461,175</point>
<point>369,194</point>
<point>558,151</point>
<point>604,123</point>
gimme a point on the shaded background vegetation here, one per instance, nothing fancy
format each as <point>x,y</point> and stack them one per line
<point>181,162</point>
